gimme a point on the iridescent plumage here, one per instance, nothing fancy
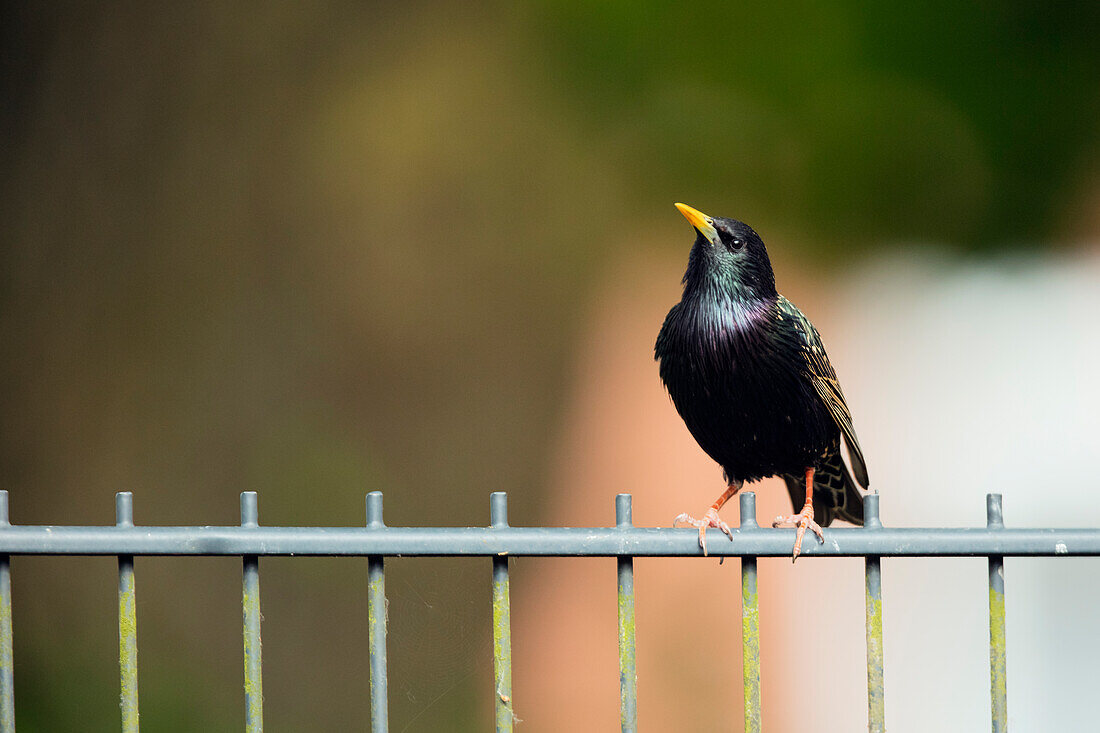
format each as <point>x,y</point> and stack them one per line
<point>749,375</point>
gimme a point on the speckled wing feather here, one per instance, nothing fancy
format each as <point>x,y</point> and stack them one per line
<point>827,385</point>
<point>835,493</point>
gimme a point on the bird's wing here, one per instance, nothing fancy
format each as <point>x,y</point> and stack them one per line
<point>827,385</point>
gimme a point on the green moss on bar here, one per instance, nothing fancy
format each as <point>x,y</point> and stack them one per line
<point>750,641</point>
<point>502,646</point>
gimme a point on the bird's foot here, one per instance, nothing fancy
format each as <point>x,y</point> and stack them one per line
<point>803,520</point>
<point>710,519</point>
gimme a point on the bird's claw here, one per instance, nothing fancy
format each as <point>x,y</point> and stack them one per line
<point>802,521</point>
<point>710,519</point>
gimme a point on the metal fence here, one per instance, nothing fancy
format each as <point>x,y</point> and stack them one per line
<point>499,541</point>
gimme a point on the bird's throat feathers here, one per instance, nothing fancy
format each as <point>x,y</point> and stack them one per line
<point>729,293</point>
<point>721,314</point>
<point>726,302</point>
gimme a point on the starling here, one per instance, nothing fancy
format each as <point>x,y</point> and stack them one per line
<point>750,378</point>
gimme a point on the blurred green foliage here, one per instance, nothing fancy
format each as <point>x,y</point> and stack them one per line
<point>968,123</point>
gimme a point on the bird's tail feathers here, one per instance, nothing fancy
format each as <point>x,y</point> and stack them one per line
<point>835,493</point>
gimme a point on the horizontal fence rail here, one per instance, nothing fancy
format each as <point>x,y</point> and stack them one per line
<point>540,542</point>
<point>499,541</point>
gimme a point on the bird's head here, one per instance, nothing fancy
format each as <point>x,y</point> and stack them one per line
<point>728,255</point>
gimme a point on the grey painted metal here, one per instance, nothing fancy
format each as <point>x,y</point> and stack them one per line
<point>250,605</point>
<point>876,690</point>
<point>998,688</point>
<point>628,662</point>
<point>377,621</point>
<point>127,620</point>
<point>750,618</point>
<point>538,541</point>
<point>498,541</point>
<point>502,621</point>
<point>7,660</point>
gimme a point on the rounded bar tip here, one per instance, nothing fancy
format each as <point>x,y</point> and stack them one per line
<point>624,511</point>
<point>748,510</point>
<point>993,515</point>
<point>870,511</point>
<point>498,509</point>
<point>124,509</point>
<point>374,509</point>
<point>250,511</point>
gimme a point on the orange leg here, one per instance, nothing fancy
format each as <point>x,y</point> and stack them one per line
<point>710,519</point>
<point>803,520</point>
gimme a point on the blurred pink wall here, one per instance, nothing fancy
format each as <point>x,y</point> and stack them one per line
<point>622,434</point>
<point>964,378</point>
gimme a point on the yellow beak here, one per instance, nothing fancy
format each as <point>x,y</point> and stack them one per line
<point>699,220</point>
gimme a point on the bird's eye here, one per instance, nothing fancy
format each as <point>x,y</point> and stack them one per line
<point>730,241</point>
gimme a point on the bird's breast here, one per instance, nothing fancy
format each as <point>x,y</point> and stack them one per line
<point>741,388</point>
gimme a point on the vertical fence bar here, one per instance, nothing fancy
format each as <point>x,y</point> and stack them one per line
<point>502,622</point>
<point>127,620</point>
<point>998,688</point>
<point>628,669</point>
<point>876,694</point>
<point>750,621</point>
<point>376,620</point>
<point>250,604</point>
<point>7,661</point>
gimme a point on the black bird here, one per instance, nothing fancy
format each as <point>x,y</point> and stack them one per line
<point>749,375</point>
